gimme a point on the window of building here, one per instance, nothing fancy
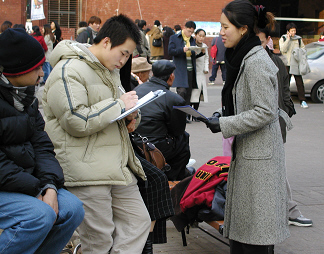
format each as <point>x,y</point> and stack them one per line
<point>65,12</point>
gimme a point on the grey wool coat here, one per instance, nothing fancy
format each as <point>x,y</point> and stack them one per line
<point>256,209</point>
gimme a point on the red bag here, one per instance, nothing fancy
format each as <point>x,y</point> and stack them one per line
<point>213,51</point>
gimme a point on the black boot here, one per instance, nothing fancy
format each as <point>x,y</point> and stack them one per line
<point>148,247</point>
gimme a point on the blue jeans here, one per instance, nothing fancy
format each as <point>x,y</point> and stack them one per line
<point>31,226</point>
<point>215,69</point>
<point>47,68</point>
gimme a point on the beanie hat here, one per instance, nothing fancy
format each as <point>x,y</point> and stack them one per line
<point>20,53</point>
<point>140,64</point>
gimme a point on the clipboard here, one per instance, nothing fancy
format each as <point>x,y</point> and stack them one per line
<point>190,110</point>
<point>148,98</point>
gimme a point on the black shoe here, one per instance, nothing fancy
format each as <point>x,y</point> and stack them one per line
<point>148,247</point>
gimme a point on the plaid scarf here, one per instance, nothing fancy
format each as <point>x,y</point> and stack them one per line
<point>18,97</point>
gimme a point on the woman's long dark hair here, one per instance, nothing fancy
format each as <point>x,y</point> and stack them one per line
<point>57,26</point>
<point>48,31</point>
<point>36,31</point>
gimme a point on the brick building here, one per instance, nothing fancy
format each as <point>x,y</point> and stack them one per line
<point>68,13</point>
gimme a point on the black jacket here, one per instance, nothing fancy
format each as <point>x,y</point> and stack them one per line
<point>159,118</point>
<point>284,100</point>
<point>27,158</point>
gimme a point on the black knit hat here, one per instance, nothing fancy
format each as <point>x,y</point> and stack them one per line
<point>20,53</point>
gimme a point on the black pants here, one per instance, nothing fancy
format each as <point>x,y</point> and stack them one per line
<point>215,69</point>
<point>299,84</point>
<point>242,248</point>
<point>185,92</point>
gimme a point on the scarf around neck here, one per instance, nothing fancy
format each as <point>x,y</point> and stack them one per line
<point>233,60</point>
<point>187,40</point>
<point>18,97</point>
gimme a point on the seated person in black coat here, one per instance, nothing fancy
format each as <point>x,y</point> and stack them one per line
<point>36,214</point>
<point>163,125</point>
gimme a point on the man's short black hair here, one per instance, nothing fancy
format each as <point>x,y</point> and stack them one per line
<point>118,29</point>
<point>157,23</point>
<point>83,24</point>
<point>190,24</point>
<point>290,26</point>
<point>177,27</point>
<point>141,24</point>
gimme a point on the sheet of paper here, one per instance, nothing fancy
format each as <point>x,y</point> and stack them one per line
<point>149,97</point>
<point>189,110</point>
<point>196,47</point>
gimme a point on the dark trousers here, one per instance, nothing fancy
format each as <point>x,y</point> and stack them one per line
<point>185,92</point>
<point>176,151</point>
<point>215,69</point>
<point>242,248</point>
<point>299,84</point>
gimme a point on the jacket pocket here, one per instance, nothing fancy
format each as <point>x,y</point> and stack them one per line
<point>258,144</point>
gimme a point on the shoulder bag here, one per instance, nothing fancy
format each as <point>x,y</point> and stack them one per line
<point>149,151</point>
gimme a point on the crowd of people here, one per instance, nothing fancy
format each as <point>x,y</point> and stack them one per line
<point>79,169</point>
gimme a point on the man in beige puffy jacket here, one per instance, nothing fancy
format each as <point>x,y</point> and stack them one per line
<point>81,99</point>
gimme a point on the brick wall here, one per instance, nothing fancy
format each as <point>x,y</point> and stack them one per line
<point>169,12</point>
<point>13,10</point>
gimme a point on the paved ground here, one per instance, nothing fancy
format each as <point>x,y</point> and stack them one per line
<point>305,170</point>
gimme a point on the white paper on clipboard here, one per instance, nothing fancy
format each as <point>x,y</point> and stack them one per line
<point>149,97</point>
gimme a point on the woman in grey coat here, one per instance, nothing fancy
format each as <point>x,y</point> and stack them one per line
<point>256,202</point>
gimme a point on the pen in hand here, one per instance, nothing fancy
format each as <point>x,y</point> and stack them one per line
<point>122,90</point>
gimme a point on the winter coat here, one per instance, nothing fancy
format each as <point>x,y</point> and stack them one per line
<point>256,202</point>
<point>202,64</point>
<point>284,100</point>
<point>49,45</point>
<point>155,33</point>
<point>159,118</point>
<point>176,45</point>
<point>27,158</point>
<point>57,34</point>
<point>80,99</point>
<point>41,40</point>
<point>80,30</point>
<point>287,46</point>
<point>85,36</point>
<point>298,62</point>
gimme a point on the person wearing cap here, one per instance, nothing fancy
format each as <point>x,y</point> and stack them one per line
<point>163,125</point>
<point>36,214</point>
<point>140,71</point>
<point>82,97</point>
<point>155,192</point>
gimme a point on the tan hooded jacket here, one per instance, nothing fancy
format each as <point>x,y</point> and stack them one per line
<point>80,99</point>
